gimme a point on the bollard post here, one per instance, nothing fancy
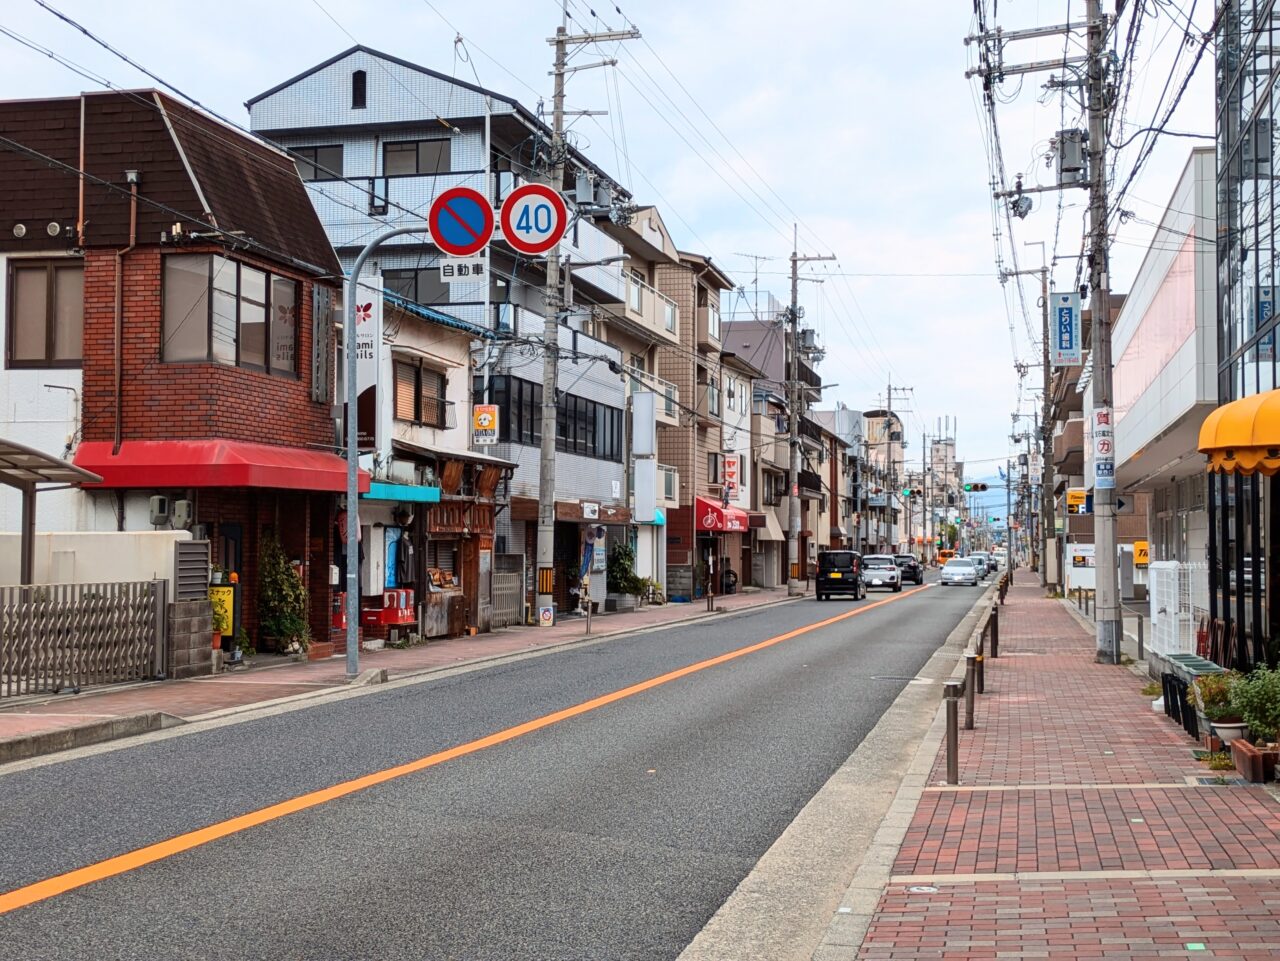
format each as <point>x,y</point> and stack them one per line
<point>951,693</point>
<point>995,631</point>
<point>981,673</point>
<point>970,670</point>
<point>1141,653</point>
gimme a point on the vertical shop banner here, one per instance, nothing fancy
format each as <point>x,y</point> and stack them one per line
<point>1066,347</point>
<point>1104,450</point>
<point>370,352</point>
<point>731,477</point>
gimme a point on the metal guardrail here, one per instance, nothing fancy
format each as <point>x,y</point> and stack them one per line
<point>67,636</point>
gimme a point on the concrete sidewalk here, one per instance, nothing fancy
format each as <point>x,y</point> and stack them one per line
<point>42,724</point>
<point>1082,827</point>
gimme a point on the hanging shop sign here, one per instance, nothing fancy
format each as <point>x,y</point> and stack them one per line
<point>1066,347</point>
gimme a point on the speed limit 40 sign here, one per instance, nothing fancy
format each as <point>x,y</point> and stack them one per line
<point>533,218</point>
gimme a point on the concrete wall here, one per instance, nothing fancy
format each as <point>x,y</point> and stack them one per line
<point>83,557</point>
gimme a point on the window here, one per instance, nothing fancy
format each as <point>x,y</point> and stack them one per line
<point>420,395</point>
<point>713,468</point>
<point>358,83</point>
<point>219,310</point>
<point>46,313</point>
<point>419,286</point>
<point>410,157</point>
<point>319,163</point>
<point>583,426</point>
<point>635,291</point>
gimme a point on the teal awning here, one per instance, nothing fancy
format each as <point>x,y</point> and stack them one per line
<point>410,493</point>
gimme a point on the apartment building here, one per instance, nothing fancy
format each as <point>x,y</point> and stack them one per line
<point>377,139</point>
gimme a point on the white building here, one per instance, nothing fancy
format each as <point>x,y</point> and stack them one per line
<point>1164,347</point>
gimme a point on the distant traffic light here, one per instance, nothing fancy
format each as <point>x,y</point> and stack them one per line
<point>974,488</point>
<point>993,520</point>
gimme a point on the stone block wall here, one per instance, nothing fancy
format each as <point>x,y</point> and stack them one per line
<point>190,639</point>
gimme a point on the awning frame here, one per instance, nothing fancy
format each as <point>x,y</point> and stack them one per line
<point>29,470</point>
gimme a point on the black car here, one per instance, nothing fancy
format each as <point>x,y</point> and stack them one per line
<point>840,572</point>
<point>910,567</point>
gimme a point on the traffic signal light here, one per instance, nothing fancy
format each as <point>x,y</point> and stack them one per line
<point>993,520</point>
<point>974,488</point>
<point>907,492</point>
<point>912,492</point>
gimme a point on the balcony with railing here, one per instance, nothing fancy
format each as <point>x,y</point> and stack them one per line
<point>709,404</point>
<point>645,307</point>
<point>668,406</point>
<point>773,439</point>
<point>668,486</point>
<point>709,327</point>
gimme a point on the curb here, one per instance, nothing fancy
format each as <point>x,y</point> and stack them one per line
<point>28,747</point>
<point>81,735</point>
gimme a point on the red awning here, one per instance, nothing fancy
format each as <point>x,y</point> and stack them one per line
<point>712,517</point>
<point>214,463</point>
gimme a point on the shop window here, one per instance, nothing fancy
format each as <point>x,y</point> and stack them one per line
<point>216,309</point>
<point>46,313</point>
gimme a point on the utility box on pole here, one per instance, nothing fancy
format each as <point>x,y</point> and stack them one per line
<point>1073,157</point>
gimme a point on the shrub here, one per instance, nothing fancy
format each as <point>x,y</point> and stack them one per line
<point>620,574</point>
<point>1214,695</point>
<point>282,597</point>
<point>1257,699</point>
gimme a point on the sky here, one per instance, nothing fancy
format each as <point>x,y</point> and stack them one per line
<point>740,118</point>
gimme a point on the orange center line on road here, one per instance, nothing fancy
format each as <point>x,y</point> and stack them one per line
<point>123,863</point>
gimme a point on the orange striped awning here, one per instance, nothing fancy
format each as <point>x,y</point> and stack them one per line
<point>1243,437</point>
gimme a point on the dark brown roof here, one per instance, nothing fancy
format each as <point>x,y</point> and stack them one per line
<point>191,168</point>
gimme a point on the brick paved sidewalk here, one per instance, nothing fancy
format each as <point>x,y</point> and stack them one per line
<point>1082,826</point>
<point>272,677</point>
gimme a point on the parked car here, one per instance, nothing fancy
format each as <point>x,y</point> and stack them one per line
<point>959,570</point>
<point>980,562</point>
<point>881,570</point>
<point>839,572</point>
<point>912,569</point>
<point>993,563</point>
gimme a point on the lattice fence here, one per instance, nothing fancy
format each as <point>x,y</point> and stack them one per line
<point>61,636</point>
<point>508,599</point>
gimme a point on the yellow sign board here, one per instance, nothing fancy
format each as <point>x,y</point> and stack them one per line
<point>484,424</point>
<point>1077,498</point>
<point>1141,554</point>
<point>222,599</point>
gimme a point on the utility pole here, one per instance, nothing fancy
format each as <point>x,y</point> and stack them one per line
<point>552,301</point>
<point>1104,492</point>
<point>795,408</point>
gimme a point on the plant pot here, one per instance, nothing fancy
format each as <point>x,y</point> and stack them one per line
<point>1229,731</point>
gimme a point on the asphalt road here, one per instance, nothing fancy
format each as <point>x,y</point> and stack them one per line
<point>614,833</point>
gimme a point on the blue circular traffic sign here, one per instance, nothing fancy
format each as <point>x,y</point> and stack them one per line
<point>461,221</point>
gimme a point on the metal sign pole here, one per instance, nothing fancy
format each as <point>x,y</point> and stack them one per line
<point>353,449</point>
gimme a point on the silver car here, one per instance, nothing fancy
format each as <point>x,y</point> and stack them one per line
<point>881,570</point>
<point>959,570</point>
<point>979,559</point>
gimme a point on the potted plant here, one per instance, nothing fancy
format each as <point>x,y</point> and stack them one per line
<point>216,574</point>
<point>1256,697</point>
<point>1213,699</point>
<point>621,580</point>
<point>282,600</point>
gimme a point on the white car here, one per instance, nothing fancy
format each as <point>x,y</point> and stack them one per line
<point>881,570</point>
<point>959,570</point>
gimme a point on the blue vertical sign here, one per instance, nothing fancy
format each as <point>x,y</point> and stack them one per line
<point>1266,310</point>
<point>1065,347</point>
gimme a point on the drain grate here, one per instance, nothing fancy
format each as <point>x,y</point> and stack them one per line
<point>1219,781</point>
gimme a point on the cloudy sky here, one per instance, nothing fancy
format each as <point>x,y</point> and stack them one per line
<point>738,118</point>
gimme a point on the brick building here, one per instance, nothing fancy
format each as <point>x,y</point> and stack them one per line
<point>179,292</point>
